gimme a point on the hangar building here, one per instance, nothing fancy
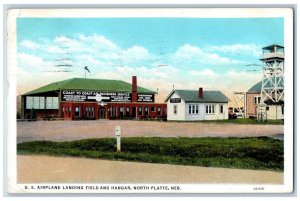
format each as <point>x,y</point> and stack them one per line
<point>80,98</point>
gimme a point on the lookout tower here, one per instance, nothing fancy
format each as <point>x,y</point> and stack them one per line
<point>272,89</point>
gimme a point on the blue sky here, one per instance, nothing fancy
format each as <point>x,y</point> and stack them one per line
<point>186,52</point>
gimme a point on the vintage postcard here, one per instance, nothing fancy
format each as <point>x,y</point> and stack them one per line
<point>164,100</point>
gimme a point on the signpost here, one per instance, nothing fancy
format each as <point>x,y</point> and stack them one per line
<point>118,136</point>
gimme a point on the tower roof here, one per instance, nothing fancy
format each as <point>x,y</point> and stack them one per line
<point>271,47</point>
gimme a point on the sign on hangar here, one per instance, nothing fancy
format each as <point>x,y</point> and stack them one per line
<point>93,96</point>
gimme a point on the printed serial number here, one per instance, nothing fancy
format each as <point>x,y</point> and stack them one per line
<point>258,188</point>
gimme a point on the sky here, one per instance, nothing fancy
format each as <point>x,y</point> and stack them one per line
<point>184,53</point>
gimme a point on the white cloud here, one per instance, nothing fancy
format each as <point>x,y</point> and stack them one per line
<point>70,44</point>
<point>101,48</point>
<point>55,50</point>
<point>28,61</point>
<point>98,41</point>
<point>62,39</point>
<point>166,72</point>
<point>135,53</point>
<point>36,66</point>
<point>86,59</point>
<point>29,44</point>
<point>246,49</point>
<point>189,53</point>
<point>208,73</point>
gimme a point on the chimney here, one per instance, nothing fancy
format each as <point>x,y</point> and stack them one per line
<point>134,89</point>
<point>200,92</point>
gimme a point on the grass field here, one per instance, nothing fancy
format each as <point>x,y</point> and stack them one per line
<point>247,153</point>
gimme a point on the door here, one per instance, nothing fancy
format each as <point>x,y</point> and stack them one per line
<point>77,111</point>
<point>133,114</point>
<point>102,113</point>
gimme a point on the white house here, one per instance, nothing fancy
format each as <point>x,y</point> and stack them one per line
<point>271,110</point>
<point>189,105</point>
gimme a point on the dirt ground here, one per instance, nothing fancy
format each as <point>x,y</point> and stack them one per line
<point>74,130</point>
<point>47,169</point>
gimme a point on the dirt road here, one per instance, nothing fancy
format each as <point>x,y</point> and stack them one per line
<point>74,130</point>
<point>46,169</point>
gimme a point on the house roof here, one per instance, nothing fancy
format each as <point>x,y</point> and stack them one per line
<point>89,84</point>
<point>193,96</point>
<point>257,87</point>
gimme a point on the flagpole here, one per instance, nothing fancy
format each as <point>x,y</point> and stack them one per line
<point>86,69</point>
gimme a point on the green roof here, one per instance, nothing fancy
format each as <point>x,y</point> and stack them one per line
<point>272,46</point>
<point>208,96</point>
<point>257,87</point>
<point>89,84</point>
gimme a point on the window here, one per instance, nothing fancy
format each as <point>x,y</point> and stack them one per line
<point>282,109</point>
<point>29,102</point>
<point>221,109</point>
<point>35,102</point>
<point>175,109</point>
<point>51,102</point>
<point>140,111</point>
<point>127,111</point>
<point>87,111</point>
<point>42,103</point>
<point>153,109</point>
<point>63,110</point>
<point>210,109</point>
<point>77,111</point>
<point>268,108</point>
<point>193,109</point>
<point>158,110</point>
<point>146,110</point>
<point>92,111</point>
<point>256,100</point>
<point>121,111</point>
<point>114,111</point>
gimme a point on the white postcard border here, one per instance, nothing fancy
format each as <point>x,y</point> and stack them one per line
<point>286,13</point>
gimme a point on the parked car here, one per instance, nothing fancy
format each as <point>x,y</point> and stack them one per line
<point>232,115</point>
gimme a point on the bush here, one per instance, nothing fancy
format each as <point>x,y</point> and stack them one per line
<point>31,115</point>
